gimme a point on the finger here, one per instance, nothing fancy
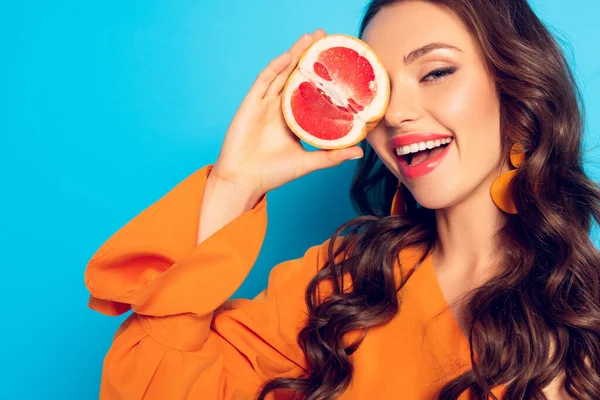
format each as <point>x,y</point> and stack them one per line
<point>279,82</point>
<point>319,34</point>
<point>321,159</point>
<point>266,76</point>
<point>296,51</point>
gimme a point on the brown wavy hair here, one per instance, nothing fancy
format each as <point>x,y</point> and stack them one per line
<point>550,288</point>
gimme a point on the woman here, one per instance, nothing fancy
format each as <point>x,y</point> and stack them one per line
<point>483,283</point>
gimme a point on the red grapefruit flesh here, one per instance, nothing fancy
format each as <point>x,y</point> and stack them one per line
<point>336,94</point>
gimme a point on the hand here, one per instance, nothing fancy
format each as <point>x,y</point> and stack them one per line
<point>259,152</point>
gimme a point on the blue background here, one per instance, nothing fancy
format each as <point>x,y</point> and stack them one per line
<point>107,105</point>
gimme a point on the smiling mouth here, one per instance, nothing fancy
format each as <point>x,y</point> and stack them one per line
<point>419,156</point>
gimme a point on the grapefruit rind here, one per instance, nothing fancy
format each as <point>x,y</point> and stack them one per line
<point>366,119</point>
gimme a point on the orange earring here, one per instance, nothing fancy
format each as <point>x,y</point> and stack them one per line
<point>397,201</point>
<point>500,187</point>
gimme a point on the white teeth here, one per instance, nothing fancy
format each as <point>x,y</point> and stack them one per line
<point>415,147</point>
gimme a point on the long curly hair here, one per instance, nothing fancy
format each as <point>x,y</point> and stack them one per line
<point>547,297</point>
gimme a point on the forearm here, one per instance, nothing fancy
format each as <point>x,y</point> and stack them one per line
<point>222,202</point>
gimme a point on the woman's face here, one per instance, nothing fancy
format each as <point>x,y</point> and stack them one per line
<point>460,102</point>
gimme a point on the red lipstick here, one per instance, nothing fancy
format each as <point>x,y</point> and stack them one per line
<point>410,138</point>
<point>424,167</point>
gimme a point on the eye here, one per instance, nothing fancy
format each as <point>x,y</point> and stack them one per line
<point>438,74</point>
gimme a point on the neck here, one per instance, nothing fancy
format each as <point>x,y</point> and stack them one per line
<point>466,246</point>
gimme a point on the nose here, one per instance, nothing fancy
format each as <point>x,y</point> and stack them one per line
<point>404,107</point>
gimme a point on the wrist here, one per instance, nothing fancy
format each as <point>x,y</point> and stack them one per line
<point>235,194</point>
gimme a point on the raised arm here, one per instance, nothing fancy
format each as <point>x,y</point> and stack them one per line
<point>185,339</point>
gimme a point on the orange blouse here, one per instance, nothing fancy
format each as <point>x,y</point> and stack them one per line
<point>186,340</point>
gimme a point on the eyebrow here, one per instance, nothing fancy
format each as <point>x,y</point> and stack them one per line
<point>421,51</point>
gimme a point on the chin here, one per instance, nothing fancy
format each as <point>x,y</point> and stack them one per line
<point>438,190</point>
<point>434,199</point>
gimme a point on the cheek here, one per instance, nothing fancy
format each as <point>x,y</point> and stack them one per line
<point>378,140</point>
<point>469,106</point>
<point>465,98</point>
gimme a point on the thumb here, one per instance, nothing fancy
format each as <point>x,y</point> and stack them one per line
<point>330,158</point>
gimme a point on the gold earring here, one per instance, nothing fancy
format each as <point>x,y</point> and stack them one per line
<point>397,201</point>
<point>500,189</point>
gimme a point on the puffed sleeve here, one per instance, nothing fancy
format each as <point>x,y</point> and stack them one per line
<point>185,339</point>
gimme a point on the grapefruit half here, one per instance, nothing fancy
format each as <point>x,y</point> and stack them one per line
<point>337,93</point>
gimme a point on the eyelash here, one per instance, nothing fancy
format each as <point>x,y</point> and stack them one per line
<point>442,71</point>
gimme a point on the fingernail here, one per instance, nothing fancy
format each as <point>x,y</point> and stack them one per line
<point>355,158</point>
